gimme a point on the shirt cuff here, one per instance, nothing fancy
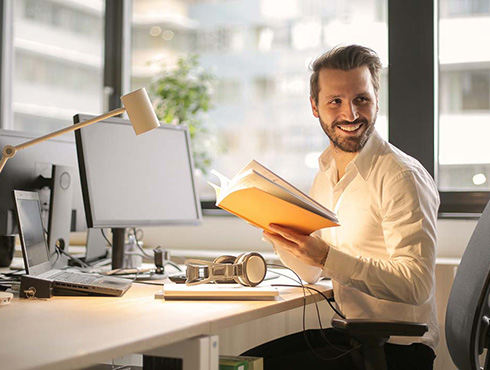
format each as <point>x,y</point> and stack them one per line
<point>339,265</point>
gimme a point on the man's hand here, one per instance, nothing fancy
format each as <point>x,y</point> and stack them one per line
<point>310,249</point>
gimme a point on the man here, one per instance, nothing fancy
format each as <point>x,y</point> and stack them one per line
<point>381,259</point>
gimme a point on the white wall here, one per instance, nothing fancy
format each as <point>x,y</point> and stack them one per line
<point>233,234</point>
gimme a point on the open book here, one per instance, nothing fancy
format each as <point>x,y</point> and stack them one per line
<point>260,197</point>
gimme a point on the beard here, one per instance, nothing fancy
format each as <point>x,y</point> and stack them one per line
<point>349,144</point>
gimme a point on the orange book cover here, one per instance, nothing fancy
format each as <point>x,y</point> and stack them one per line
<point>261,198</point>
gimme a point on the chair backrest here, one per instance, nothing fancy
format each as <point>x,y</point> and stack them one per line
<point>468,302</point>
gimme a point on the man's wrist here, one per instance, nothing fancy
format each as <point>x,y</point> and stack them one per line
<point>324,259</point>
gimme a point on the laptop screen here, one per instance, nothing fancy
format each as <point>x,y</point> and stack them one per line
<point>34,247</point>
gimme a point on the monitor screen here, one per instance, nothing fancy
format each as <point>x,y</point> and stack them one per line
<point>130,180</point>
<point>31,169</point>
<point>35,251</point>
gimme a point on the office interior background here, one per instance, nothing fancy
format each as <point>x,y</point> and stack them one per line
<point>55,63</point>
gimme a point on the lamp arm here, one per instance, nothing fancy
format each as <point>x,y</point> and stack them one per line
<point>6,155</point>
<point>9,151</point>
<point>77,126</point>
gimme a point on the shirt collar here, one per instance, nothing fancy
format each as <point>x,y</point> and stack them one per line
<point>363,162</point>
<point>368,155</point>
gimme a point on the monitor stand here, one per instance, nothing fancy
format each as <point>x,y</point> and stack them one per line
<point>60,213</point>
<point>161,256</point>
<point>118,242</point>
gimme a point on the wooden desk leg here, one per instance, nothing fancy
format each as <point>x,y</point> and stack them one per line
<point>199,353</point>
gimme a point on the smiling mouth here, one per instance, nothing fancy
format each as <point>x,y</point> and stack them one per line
<point>351,127</point>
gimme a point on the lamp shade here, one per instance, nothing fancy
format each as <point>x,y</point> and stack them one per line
<point>140,111</point>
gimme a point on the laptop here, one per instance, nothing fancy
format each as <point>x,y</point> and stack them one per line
<point>36,255</point>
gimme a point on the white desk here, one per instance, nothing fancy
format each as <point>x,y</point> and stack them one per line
<point>73,332</point>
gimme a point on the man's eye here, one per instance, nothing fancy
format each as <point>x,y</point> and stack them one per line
<point>362,99</point>
<point>335,101</point>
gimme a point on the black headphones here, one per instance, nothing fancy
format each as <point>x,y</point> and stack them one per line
<point>247,269</point>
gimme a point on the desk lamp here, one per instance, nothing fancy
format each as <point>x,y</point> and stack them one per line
<point>137,104</point>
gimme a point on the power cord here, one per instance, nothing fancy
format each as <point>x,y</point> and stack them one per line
<point>301,285</point>
<point>137,240</point>
<point>58,254</point>
<point>73,258</point>
<point>322,333</point>
<point>106,238</point>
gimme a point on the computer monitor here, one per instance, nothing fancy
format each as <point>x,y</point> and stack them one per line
<point>130,181</point>
<point>32,169</point>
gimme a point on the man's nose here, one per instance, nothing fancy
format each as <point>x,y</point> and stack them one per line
<point>350,112</point>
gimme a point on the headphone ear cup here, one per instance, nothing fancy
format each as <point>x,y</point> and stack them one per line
<point>226,260</point>
<point>254,269</point>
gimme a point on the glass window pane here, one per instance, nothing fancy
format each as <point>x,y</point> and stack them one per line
<point>58,62</point>
<point>464,96</point>
<point>259,52</point>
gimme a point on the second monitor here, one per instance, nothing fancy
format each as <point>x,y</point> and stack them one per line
<point>130,181</point>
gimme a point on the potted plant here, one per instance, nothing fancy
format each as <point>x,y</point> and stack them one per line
<point>182,96</point>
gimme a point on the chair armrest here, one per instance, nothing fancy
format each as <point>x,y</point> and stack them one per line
<point>381,328</point>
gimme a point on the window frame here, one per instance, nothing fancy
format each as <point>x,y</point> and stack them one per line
<point>6,48</point>
<point>413,126</point>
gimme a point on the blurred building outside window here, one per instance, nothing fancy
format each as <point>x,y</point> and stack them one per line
<point>259,51</point>
<point>57,62</point>
<point>464,95</point>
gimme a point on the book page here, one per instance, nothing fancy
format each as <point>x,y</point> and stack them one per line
<point>253,179</point>
<point>264,171</point>
<point>261,209</point>
<point>223,180</point>
<point>227,185</point>
<point>217,189</point>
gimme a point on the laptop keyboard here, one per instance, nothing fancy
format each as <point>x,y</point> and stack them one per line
<point>70,277</point>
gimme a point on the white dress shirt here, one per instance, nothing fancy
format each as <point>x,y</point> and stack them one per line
<point>382,257</point>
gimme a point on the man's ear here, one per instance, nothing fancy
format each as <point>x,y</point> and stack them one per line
<point>314,108</point>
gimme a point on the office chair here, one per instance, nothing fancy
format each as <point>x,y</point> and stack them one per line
<point>467,315</point>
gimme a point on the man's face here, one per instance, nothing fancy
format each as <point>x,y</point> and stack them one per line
<point>347,107</point>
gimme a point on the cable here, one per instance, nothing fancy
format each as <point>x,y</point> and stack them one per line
<point>149,283</point>
<point>316,306</point>
<point>145,253</point>
<point>57,256</point>
<point>316,290</point>
<point>322,333</point>
<point>138,244</point>
<point>75,259</point>
<point>105,237</point>
<point>167,262</point>
<point>302,285</point>
<point>134,254</point>
<point>136,275</point>
<point>344,352</point>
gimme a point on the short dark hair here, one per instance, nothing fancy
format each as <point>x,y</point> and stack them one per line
<point>345,58</point>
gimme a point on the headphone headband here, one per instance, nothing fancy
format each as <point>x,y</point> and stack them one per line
<point>248,269</point>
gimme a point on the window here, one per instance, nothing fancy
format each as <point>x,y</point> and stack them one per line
<point>259,52</point>
<point>460,8</point>
<point>464,96</point>
<point>57,62</point>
